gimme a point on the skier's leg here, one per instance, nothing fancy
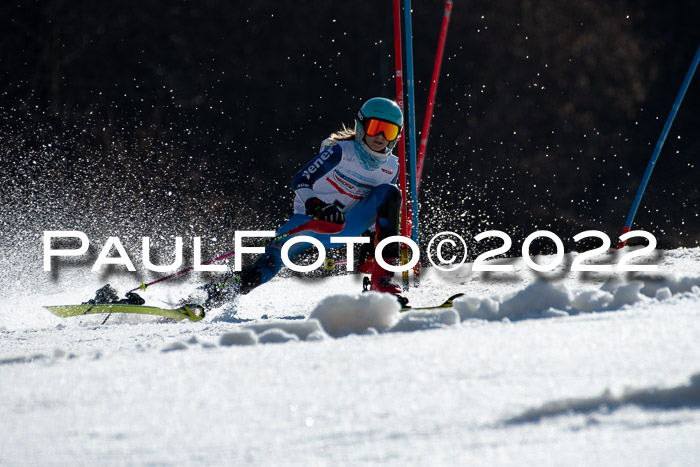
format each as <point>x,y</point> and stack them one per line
<point>269,263</point>
<point>387,225</point>
<point>234,283</point>
<point>381,207</point>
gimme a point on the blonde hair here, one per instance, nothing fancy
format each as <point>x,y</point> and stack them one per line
<point>344,134</point>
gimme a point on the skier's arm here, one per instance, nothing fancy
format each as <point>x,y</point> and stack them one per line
<point>315,170</point>
<point>304,181</point>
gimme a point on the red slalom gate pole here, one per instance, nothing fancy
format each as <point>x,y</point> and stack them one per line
<point>433,90</point>
<point>398,62</point>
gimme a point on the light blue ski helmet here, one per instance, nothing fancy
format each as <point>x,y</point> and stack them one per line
<point>381,109</point>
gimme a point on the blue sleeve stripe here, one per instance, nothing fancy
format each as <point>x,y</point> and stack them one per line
<point>318,167</point>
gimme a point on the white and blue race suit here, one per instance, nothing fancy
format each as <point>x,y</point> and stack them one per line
<point>338,175</point>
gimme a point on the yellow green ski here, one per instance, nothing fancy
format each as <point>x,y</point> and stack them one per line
<point>191,312</point>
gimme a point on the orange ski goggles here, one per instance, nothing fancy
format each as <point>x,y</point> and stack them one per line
<point>374,126</point>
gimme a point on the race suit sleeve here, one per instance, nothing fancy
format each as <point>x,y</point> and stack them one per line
<point>315,169</point>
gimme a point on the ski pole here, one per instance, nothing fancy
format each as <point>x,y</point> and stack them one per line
<point>659,145</point>
<point>314,225</point>
<point>433,90</point>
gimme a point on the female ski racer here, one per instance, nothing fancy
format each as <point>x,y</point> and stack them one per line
<point>351,182</point>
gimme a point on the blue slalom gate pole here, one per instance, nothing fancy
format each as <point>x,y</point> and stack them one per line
<point>412,130</point>
<point>659,145</point>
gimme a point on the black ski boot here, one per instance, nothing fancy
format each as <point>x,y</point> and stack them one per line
<point>382,281</point>
<point>232,285</point>
<point>108,294</point>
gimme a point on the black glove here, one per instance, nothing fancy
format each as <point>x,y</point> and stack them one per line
<point>324,211</point>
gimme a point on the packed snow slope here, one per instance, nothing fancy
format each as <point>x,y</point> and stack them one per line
<point>555,369</point>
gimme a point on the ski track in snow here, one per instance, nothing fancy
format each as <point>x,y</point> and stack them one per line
<point>652,398</point>
<point>522,368</point>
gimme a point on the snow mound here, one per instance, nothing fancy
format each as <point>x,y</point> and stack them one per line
<point>545,299</point>
<point>174,346</point>
<point>536,299</point>
<point>663,294</point>
<point>674,283</point>
<point>300,329</point>
<point>418,321</point>
<point>245,337</point>
<point>276,336</point>
<point>648,398</point>
<point>372,313</point>
<point>652,283</point>
<point>341,315</point>
<point>275,332</point>
<point>592,300</point>
<point>540,299</point>
<point>627,294</point>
